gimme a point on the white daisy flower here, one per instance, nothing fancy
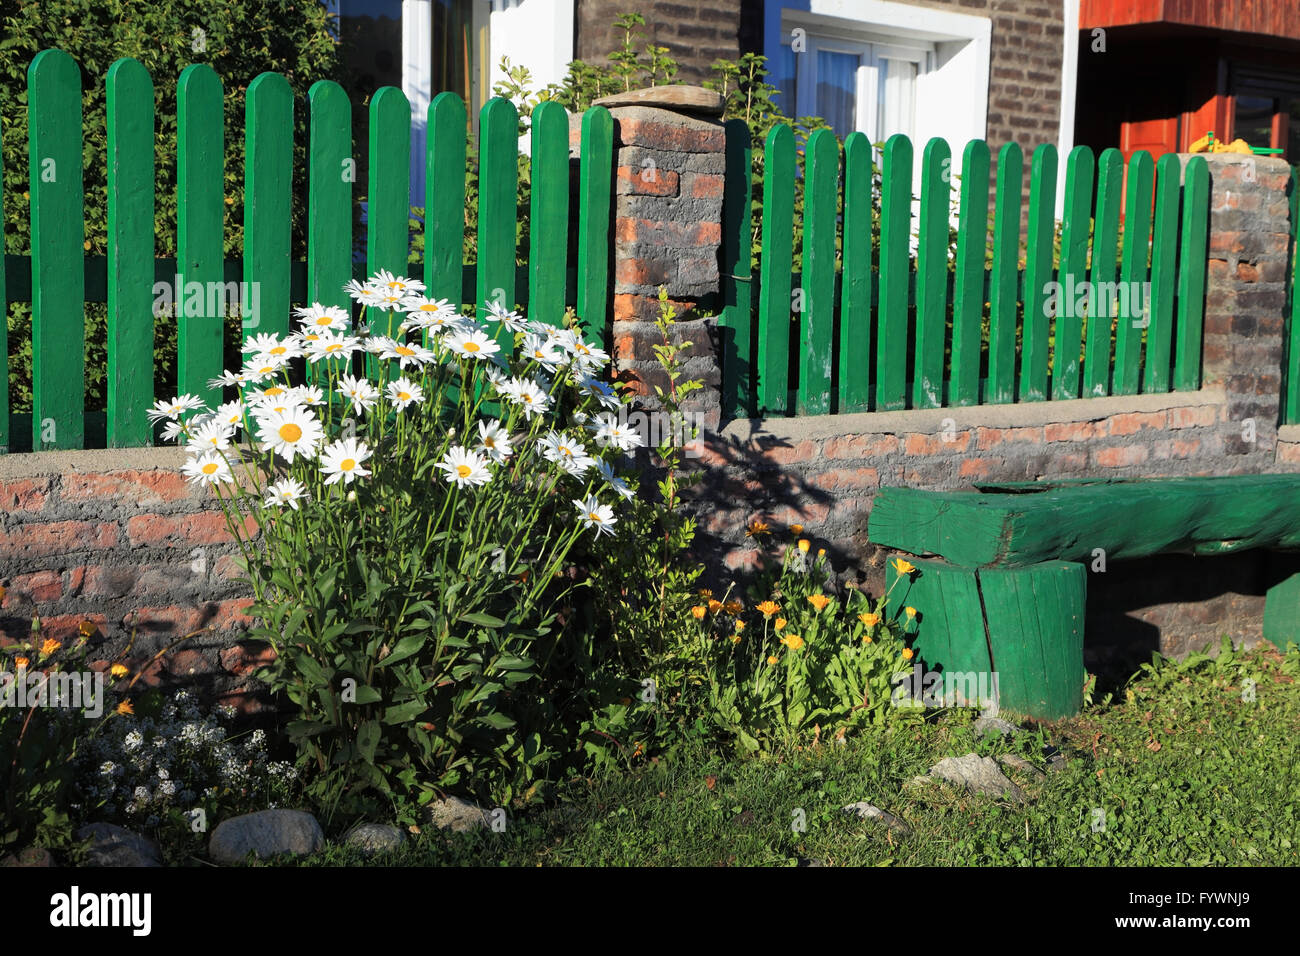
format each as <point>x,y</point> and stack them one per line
<point>406,354</point>
<point>527,394</point>
<point>341,460</point>
<point>614,481</point>
<point>494,441</point>
<point>227,379</point>
<point>209,468</point>
<point>369,295</point>
<point>261,366</point>
<point>231,413</point>
<point>268,343</point>
<point>271,395</point>
<point>331,345</point>
<point>212,435</point>
<point>422,309</point>
<point>359,391</point>
<point>593,514</point>
<point>175,408</point>
<point>308,395</point>
<point>509,318</point>
<point>588,356</point>
<point>403,392</point>
<point>609,431</point>
<point>289,432</point>
<point>286,491</point>
<point>323,317</point>
<point>474,344</point>
<point>495,377</point>
<point>464,467</point>
<point>600,391</point>
<point>545,352</point>
<point>356,289</point>
<point>383,279</point>
<point>569,454</point>
<point>172,431</point>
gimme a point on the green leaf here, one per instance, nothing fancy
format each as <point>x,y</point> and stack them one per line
<point>405,648</point>
<point>498,721</point>
<point>368,739</point>
<point>405,713</point>
<point>483,620</point>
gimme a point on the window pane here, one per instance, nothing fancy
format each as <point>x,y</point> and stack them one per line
<point>837,84</point>
<point>1292,143</point>
<point>783,77</point>
<point>1254,120</point>
<point>897,91</point>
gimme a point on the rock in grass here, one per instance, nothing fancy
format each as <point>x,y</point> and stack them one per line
<point>867,811</point>
<point>372,838</point>
<point>457,815</point>
<point>1019,763</point>
<point>987,726</point>
<point>118,846</point>
<point>265,834</point>
<point>32,856</point>
<point>978,775</point>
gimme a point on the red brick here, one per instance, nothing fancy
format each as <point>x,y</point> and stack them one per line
<point>1201,416</point>
<point>989,437</point>
<point>110,582</point>
<point>66,627</point>
<point>182,531</point>
<point>242,659</point>
<point>188,663</point>
<point>747,559</point>
<point>641,271</point>
<point>921,444</point>
<point>225,568</point>
<point>229,615</point>
<point>1289,452</point>
<point>27,494</point>
<point>703,185</point>
<point>645,308</point>
<point>1132,422</point>
<point>1072,431</point>
<point>1185,449</point>
<point>846,478</point>
<point>660,233</point>
<point>809,515</point>
<point>860,446</point>
<point>146,672</point>
<point>678,139</point>
<point>645,181</point>
<point>145,487</point>
<point>805,450</point>
<point>1245,271</point>
<point>246,703</point>
<point>31,541</point>
<point>173,620</point>
<point>1124,456</point>
<point>976,467</point>
<point>38,587</point>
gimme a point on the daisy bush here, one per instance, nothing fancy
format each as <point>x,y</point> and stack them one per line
<point>419,479</point>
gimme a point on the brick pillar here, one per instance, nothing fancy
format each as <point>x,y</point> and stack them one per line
<point>669,154</point>
<point>1245,297</point>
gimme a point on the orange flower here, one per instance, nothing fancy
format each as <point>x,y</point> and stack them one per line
<point>3,592</point>
<point>792,641</point>
<point>911,611</point>
<point>86,628</point>
<point>706,593</point>
<point>125,708</point>
<point>796,529</point>
<point>735,638</point>
<point>871,620</point>
<point>772,659</point>
<point>119,670</point>
<point>768,608</point>
<point>639,750</point>
<point>908,654</point>
<point>699,611</point>
<point>714,606</point>
<point>821,552</point>
<point>756,529</point>
<point>819,601</point>
<point>866,639</point>
<point>733,607</point>
<point>49,647</point>
<point>740,626</point>
<point>903,567</point>
<point>780,623</point>
<point>804,545</point>
<point>20,663</point>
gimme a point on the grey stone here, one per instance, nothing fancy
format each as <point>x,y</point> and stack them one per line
<point>978,775</point>
<point>372,838</point>
<point>266,833</point>
<point>118,846</point>
<point>1019,763</point>
<point>1057,762</point>
<point>457,815</point>
<point>867,811</point>
<point>32,856</point>
<point>993,725</point>
<point>694,99</point>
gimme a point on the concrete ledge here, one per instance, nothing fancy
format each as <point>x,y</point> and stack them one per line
<point>1288,433</point>
<point>32,464</point>
<point>1017,415</point>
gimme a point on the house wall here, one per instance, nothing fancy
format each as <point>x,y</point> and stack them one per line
<point>696,33</point>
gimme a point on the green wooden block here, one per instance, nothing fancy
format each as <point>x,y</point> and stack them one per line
<point>1282,612</point>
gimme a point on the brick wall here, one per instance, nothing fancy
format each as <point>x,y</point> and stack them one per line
<point>122,540</point>
<point>696,34</point>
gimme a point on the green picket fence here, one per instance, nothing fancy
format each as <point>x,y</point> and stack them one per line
<point>917,327</point>
<point>1291,361</point>
<point>58,277</point>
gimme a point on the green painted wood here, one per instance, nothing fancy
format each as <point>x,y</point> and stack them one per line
<point>1072,275</point>
<point>1036,327</point>
<point>498,184</point>
<point>895,265</point>
<point>130,126</point>
<point>1192,266</point>
<point>932,275</point>
<point>735,321</point>
<point>4,330</point>
<point>1282,612</point>
<point>775,266</point>
<point>595,187</point>
<point>444,212</point>
<point>968,291</point>
<point>549,213</point>
<point>1035,626</point>
<point>388,208</point>
<point>949,619</point>
<point>1127,519</point>
<point>1003,292</point>
<point>331,175</point>
<point>57,235</point>
<point>1105,247</point>
<point>268,202</point>
<point>821,165</point>
<point>855,287</point>
<point>200,180</point>
<point>1291,339</point>
<point>1164,264</point>
<point>1134,312</point>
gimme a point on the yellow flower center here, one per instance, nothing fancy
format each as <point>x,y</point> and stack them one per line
<point>324,320</point>
<point>290,432</point>
<point>463,471</point>
<point>471,347</point>
<point>593,516</point>
<point>266,370</point>
<point>274,390</point>
<point>428,307</point>
<point>404,396</point>
<point>333,347</point>
<point>210,468</point>
<point>347,464</point>
<point>403,350</point>
<point>396,285</point>
<point>489,442</point>
<point>278,350</point>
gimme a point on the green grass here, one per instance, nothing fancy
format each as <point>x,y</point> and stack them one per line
<point>1187,768</point>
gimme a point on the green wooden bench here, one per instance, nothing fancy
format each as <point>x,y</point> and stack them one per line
<point>1004,591</point>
